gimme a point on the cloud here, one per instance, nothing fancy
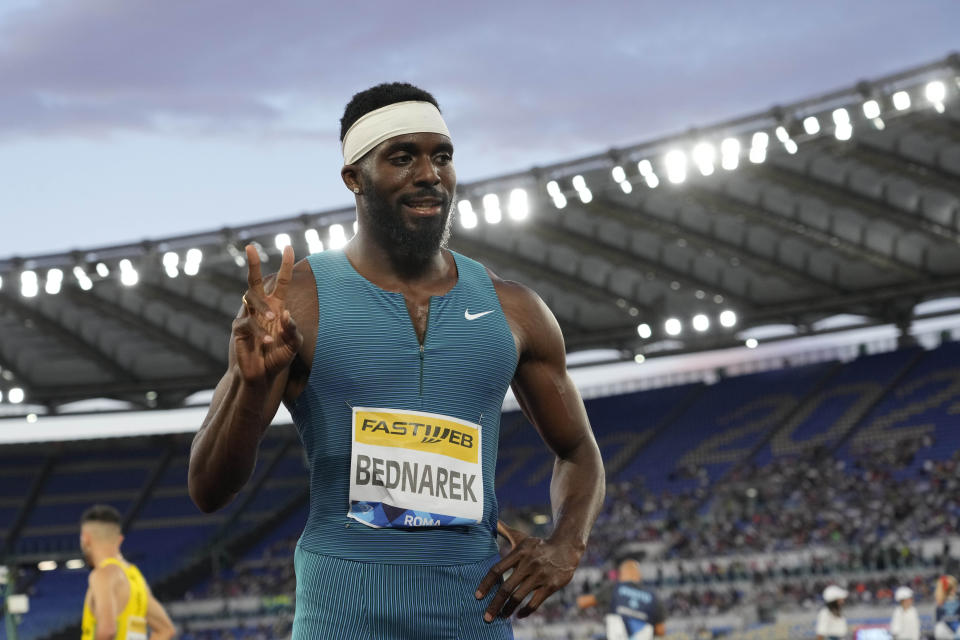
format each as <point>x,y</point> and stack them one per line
<point>538,76</point>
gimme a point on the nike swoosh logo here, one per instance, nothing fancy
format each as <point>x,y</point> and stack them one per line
<point>474,316</point>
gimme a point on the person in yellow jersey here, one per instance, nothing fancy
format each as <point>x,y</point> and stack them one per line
<point>118,604</point>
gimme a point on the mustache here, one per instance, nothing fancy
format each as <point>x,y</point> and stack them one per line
<point>427,193</point>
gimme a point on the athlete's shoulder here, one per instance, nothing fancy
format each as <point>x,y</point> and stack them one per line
<point>105,573</point>
<point>516,295</point>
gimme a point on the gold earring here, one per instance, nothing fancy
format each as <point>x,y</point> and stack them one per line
<point>356,190</point>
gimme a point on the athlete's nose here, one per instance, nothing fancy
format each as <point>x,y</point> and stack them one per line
<point>426,173</point>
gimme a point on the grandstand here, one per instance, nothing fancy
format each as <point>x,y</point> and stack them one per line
<point>745,479</point>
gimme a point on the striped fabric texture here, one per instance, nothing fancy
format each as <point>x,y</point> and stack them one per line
<point>347,600</point>
<point>368,355</point>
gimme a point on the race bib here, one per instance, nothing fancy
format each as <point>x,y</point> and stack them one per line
<point>414,469</point>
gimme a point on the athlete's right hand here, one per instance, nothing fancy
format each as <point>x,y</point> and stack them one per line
<point>265,337</point>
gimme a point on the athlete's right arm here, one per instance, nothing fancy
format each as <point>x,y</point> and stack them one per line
<point>263,343</point>
<point>104,601</point>
<point>159,622</point>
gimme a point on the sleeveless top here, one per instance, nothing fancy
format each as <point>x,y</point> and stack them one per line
<point>368,356</point>
<point>132,621</point>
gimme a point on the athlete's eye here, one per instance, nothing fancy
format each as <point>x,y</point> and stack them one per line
<point>399,159</point>
<point>443,158</point>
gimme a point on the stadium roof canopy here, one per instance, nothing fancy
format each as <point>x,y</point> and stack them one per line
<point>840,209</point>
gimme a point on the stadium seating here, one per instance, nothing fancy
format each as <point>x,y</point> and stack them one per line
<point>658,445</point>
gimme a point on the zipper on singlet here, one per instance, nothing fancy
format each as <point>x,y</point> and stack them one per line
<point>422,344</point>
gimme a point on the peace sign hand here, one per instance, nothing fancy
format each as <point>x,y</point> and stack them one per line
<point>265,337</point>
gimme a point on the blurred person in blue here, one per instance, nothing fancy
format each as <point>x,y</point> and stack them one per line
<point>948,609</point>
<point>636,613</point>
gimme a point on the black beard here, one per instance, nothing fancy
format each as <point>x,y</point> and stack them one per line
<point>410,249</point>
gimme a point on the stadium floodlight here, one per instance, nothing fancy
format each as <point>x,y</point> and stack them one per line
<point>728,318</point>
<point>553,190</point>
<point>54,280</point>
<point>32,418</point>
<point>128,274</point>
<point>518,206</point>
<point>314,244</point>
<point>901,100</point>
<point>936,93</point>
<point>491,208</point>
<point>676,163</point>
<point>619,175</point>
<point>75,563</point>
<point>626,187</point>
<point>468,219</point>
<point>672,326</point>
<point>15,395</point>
<point>82,278</point>
<point>170,262</point>
<point>337,237</point>
<point>781,133</point>
<point>758,147</point>
<point>47,565</point>
<point>644,331</point>
<point>841,118</point>
<point>645,167</point>
<point>811,125</point>
<point>639,358</point>
<point>586,196</point>
<point>704,155</point>
<point>730,154</point>
<point>1,282</point>
<point>191,265</point>
<point>652,180</point>
<point>871,109</point>
<point>701,322</point>
<point>29,287</point>
<point>751,343</point>
<point>103,270</point>
<point>281,241</point>
<point>791,147</point>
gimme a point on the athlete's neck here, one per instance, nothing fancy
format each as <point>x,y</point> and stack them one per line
<point>98,555</point>
<point>395,272</point>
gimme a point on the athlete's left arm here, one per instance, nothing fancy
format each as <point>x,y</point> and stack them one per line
<point>552,403</point>
<point>158,620</point>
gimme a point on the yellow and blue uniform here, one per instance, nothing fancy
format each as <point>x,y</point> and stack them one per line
<point>132,620</point>
<point>402,440</point>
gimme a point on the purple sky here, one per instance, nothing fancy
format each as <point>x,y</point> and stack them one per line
<point>121,120</point>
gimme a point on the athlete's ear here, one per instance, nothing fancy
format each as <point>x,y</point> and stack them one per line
<point>351,177</point>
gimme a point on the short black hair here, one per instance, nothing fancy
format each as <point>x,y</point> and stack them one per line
<point>101,513</point>
<point>380,96</point>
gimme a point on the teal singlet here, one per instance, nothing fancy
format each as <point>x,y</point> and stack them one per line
<point>368,356</point>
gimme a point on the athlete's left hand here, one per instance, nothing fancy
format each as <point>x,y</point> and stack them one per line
<point>540,567</point>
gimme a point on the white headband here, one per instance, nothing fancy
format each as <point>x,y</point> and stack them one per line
<point>386,122</point>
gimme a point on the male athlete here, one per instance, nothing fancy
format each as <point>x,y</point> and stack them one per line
<point>118,604</point>
<point>394,356</point>
<point>636,613</point>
